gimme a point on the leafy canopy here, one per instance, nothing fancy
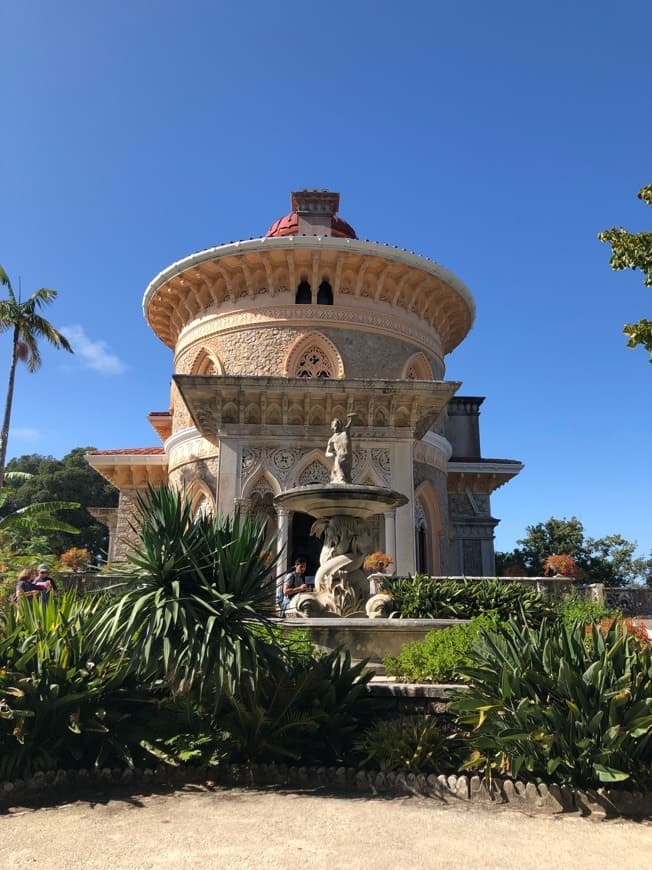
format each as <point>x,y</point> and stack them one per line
<point>609,560</point>
<point>633,251</point>
<point>69,479</point>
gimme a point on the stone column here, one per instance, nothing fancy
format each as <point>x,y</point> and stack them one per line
<point>390,534</point>
<point>243,505</point>
<point>283,532</point>
<point>403,482</point>
<point>228,481</point>
<point>283,525</point>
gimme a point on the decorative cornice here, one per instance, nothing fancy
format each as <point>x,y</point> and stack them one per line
<point>240,406</point>
<point>131,470</point>
<point>376,276</point>
<point>481,476</point>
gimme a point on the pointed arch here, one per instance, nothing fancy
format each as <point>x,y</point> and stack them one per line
<point>201,499</point>
<point>313,355</point>
<point>417,368</point>
<point>312,468</point>
<point>427,523</point>
<point>206,362</point>
<point>262,482</point>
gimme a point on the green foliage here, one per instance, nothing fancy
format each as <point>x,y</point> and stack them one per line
<point>440,656</point>
<point>633,251</point>
<point>309,711</point>
<point>573,607</point>
<point>198,590</point>
<point>546,705</point>
<point>64,702</point>
<point>422,597</point>
<point>414,744</point>
<point>70,479</point>
<point>609,560</point>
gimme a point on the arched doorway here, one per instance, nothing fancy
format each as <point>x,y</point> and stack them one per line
<point>302,543</point>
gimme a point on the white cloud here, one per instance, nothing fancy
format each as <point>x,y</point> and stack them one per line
<point>95,354</point>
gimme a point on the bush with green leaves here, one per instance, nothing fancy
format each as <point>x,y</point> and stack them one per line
<point>422,597</point>
<point>415,744</point>
<point>194,608</point>
<point>309,712</point>
<point>573,607</point>
<point>440,656</point>
<point>65,702</point>
<point>545,705</point>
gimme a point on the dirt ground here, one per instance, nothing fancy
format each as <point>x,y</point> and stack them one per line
<point>220,828</point>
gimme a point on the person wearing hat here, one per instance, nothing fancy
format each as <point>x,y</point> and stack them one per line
<point>43,582</point>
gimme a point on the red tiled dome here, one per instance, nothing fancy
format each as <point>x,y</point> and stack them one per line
<point>289,226</point>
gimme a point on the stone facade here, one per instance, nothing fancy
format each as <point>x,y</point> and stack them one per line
<point>272,338</point>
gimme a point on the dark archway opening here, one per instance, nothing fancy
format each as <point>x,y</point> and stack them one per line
<point>422,550</point>
<point>302,543</point>
<point>304,294</point>
<point>325,294</point>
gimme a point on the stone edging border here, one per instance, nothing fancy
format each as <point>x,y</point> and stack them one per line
<point>455,788</point>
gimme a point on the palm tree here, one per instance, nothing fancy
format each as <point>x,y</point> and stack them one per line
<point>27,326</point>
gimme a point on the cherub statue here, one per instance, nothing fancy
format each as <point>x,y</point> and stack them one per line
<point>339,448</point>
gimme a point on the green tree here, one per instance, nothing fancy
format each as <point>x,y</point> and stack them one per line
<point>609,560</point>
<point>633,251</point>
<point>27,326</point>
<point>72,479</point>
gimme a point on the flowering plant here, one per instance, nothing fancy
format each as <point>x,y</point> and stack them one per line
<point>74,559</point>
<point>378,561</point>
<point>561,564</point>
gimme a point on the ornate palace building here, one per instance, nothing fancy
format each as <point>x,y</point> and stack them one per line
<point>275,336</point>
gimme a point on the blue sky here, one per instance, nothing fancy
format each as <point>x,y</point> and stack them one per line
<point>497,139</point>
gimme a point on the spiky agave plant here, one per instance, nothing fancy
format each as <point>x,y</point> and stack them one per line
<point>197,595</point>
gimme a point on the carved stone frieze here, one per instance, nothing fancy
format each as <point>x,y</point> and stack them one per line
<point>282,462</point>
<point>191,451</point>
<point>430,455</point>
<point>314,473</point>
<point>323,314</point>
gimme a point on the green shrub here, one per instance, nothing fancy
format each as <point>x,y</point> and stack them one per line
<point>545,704</point>
<point>440,656</point>
<point>573,607</point>
<point>414,744</point>
<point>422,597</point>
<point>308,712</point>
<point>64,702</point>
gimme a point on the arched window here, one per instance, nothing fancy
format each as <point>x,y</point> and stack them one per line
<point>314,363</point>
<point>417,368</point>
<point>304,294</point>
<point>325,293</point>
<point>313,355</point>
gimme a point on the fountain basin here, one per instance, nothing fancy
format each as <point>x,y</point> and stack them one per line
<point>340,499</point>
<point>371,639</point>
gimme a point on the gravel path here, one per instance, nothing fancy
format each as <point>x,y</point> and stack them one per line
<point>219,828</point>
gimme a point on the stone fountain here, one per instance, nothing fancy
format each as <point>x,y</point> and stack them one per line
<point>341,510</point>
